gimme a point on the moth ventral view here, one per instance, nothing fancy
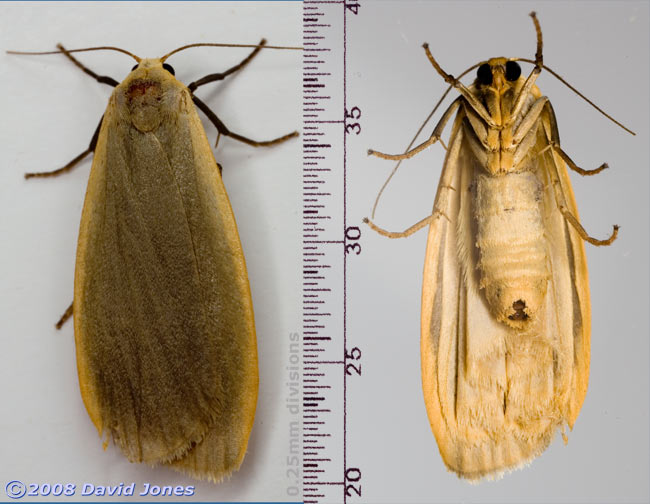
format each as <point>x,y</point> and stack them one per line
<point>505,321</point>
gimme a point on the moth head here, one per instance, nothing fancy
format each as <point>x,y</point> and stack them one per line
<point>499,74</point>
<point>154,68</point>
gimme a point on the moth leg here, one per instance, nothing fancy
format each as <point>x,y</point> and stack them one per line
<point>408,154</point>
<point>556,148</point>
<point>571,219</point>
<point>466,93</point>
<point>476,144</point>
<point>529,121</point>
<point>554,145</point>
<point>222,75</point>
<point>104,79</point>
<point>525,138</point>
<point>435,136</point>
<point>64,318</point>
<point>73,163</point>
<point>407,232</point>
<point>223,130</point>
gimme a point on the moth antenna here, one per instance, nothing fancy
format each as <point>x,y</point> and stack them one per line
<point>539,58</point>
<point>102,48</point>
<point>539,62</point>
<point>563,81</point>
<point>202,44</point>
<point>422,126</point>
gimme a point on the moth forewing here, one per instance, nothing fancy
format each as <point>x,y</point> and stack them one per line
<point>156,213</point>
<point>505,319</point>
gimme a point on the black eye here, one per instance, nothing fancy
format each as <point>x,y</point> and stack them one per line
<point>135,66</point>
<point>169,68</point>
<point>513,71</point>
<point>484,74</point>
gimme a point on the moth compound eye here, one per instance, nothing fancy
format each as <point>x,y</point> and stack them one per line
<point>484,74</point>
<point>169,68</point>
<point>513,71</point>
<point>135,66</point>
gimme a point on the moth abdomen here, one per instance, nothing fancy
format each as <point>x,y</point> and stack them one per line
<point>512,258</point>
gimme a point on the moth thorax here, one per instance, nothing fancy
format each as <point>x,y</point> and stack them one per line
<point>143,99</point>
<point>510,239</point>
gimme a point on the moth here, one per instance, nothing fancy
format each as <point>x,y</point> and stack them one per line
<point>505,323</point>
<point>163,318</point>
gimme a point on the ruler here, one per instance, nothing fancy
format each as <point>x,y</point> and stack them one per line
<point>327,240</point>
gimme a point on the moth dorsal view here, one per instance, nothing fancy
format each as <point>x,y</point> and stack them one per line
<point>505,323</point>
<point>163,317</point>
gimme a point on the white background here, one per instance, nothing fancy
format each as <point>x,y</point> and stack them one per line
<point>49,112</point>
<point>602,49</point>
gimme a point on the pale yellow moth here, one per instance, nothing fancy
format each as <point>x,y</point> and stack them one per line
<point>163,317</point>
<point>505,323</point>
